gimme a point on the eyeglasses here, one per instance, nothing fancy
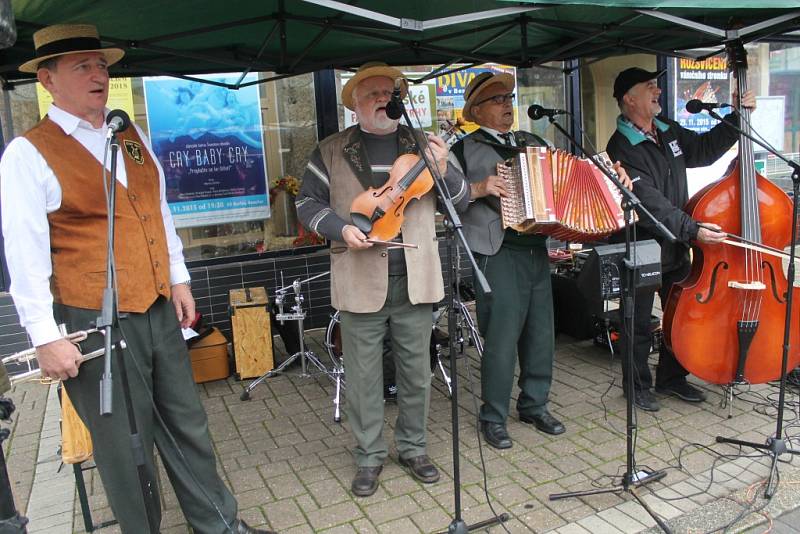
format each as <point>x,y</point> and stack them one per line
<point>498,99</point>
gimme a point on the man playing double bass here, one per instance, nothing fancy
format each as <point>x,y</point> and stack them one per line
<point>371,283</point>
<point>656,152</point>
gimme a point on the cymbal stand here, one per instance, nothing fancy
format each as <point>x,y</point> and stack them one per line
<point>305,356</point>
<point>438,351</point>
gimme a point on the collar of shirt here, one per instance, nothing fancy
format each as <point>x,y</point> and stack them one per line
<point>70,123</point>
<point>637,135</point>
<point>496,134</point>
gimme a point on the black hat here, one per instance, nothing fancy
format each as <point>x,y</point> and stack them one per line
<point>630,77</point>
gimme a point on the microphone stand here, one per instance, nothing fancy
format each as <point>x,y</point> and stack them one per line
<point>457,525</point>
<point>11,522</point>
<point>630,480</point>
<point>106,322</point>
<point>776,446</point>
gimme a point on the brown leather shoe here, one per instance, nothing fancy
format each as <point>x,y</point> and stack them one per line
<point>240,527</point>
<point>421,468</point>
<point>365,483</point>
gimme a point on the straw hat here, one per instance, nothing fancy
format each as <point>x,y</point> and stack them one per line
<point>62,39</point>
<point>478,85</point>
<point>368,70</point>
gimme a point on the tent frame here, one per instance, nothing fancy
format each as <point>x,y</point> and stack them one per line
<point>395,34</point>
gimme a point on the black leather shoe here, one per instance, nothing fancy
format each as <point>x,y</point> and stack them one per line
<point>240,527</point>
<point>544,422</point>
<point>496,435</point>
<point>365,483</point>
<point>421,468</point>
<point>683,390</point>
<point>645,400</point>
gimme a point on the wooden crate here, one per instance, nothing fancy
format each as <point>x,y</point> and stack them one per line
<point>209,356</point>
<point>252,335</point>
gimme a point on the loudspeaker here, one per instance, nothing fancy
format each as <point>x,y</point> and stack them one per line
<point>603,273</point>
<point>574,309</point>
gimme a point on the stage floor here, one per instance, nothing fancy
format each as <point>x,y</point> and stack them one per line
<point>289,464</point>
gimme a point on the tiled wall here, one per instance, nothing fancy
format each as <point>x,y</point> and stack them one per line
<point>211,286</point>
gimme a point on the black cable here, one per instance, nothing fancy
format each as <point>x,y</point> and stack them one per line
<point>474,396</point>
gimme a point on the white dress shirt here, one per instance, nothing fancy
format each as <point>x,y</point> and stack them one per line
<point>496,134</point>
<point>29,190</point>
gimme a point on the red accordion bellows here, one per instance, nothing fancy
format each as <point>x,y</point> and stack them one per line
<point>559,194</point>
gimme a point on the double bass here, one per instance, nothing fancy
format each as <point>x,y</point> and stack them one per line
<point>725,321</point>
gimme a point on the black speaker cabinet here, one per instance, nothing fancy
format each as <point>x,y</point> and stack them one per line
<point>574,313</point>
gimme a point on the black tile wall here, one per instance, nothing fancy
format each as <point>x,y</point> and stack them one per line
<point>211,286</point>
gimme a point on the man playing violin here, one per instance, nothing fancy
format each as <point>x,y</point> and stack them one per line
<point>656,152</point>
<point>373,285</point>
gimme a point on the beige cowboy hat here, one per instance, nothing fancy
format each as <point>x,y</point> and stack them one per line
<point>368,70</point>
<point>479,84</point>
<point>61,39</point>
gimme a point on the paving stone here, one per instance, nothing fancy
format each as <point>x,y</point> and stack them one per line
<point>290,466</point>
<point>327,517</point>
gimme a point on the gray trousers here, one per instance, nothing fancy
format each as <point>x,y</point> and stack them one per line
<point>157,349</point>
<point>362,345</point>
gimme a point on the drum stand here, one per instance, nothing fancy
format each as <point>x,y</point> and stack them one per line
<point>305,356</point>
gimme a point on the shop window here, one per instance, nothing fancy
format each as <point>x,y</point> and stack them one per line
<point>232,159</point>
<point>441,98</point>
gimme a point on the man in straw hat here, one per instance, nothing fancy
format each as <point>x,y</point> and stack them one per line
<point>657,151</point>
<point>372,284</point>
<point>54,225</point>
<point>517,319</point>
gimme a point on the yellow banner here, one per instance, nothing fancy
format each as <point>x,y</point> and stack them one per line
<point>120,96</point>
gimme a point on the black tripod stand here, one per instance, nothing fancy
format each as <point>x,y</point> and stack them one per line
<point>10,520</point>
<point>630,479</point>
<point>776,446</point>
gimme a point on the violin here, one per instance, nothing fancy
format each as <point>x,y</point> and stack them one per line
<point>379,212</point>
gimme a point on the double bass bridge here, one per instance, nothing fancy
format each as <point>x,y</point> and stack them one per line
<point>750,286</point>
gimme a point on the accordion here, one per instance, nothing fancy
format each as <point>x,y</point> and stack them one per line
<point>556,193</point>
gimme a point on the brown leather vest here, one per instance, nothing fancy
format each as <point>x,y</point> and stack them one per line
<point>78,227</point>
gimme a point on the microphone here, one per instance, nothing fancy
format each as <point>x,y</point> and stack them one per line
<point>117,121</point>
<point>696,106</point>
<point>394,108</point>
<point>537,112</point>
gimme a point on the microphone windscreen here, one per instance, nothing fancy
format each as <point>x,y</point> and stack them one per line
<point>393,109</point>
<point>120,117</point>
<point>694,106</point>
<point>535,112</point>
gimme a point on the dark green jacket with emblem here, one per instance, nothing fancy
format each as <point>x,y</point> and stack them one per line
<point>658,172</point>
